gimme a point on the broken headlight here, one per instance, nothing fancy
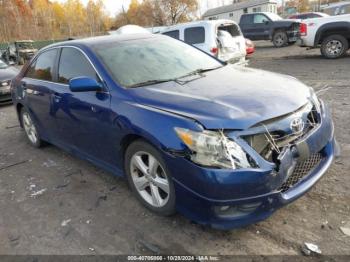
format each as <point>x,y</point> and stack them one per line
<point>211,148</point>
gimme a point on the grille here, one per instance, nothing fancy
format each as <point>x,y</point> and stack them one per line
<point>301,170</point>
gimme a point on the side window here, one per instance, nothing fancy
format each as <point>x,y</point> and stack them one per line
<point>260,19</point>
<point>72,64</point>
<point>42,68</point>
<point>195,35</point>
<point>246,19</point>
<point>174,34</point>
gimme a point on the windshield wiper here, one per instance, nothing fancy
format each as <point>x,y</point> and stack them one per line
<point>150,82</point>
<point>158,81</point>
<point>200,71</point>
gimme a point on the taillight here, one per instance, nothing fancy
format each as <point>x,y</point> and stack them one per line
<point>303,29</point>
<point>214,50</point>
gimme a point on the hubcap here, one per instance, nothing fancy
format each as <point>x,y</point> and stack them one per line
<point>150,179</point>
<point>334,47</point>
<point>29,128</point>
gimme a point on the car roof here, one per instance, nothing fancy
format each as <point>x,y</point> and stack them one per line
<point>198,23</point>
<point>92,41</point>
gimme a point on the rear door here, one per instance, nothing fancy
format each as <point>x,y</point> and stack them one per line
<point>36,87</point>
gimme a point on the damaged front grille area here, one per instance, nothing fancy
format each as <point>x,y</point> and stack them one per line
<point>278,133</point>
<point>302,169</point>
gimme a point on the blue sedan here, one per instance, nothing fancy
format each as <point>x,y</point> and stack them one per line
<point>226,146</point>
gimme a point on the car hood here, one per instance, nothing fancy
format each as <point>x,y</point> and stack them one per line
<point>8,73</point>
<point>228,98</point>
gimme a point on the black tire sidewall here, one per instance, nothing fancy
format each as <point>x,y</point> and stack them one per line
<point>39,142</point>
<point>340,38</point>
<point>142,145</point>
<point>279,33</point>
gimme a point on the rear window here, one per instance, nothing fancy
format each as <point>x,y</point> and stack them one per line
<point>230,28</point>
<point>195,35</point>
<point>174,34</point>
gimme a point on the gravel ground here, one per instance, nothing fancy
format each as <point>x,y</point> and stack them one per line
<point>53,203</point>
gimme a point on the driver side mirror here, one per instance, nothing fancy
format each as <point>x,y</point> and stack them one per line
<point>84,84</point>
<point>266,22</point>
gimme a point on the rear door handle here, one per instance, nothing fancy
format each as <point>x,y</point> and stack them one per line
<point>24,86</point>
<point>56,97</point>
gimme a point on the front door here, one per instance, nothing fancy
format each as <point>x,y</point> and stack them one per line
<point>261,27</point>
<point>83,119</point>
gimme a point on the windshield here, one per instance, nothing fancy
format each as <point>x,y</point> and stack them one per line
<point>25,45</point>
<point>3,65</point>
<point>274,17</point>
<point>151,59</point>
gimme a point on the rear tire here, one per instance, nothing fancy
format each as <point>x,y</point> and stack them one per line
<point>149,178</point>
<point>30,129</point>
<point>334,46</point>
<point>280,39</point>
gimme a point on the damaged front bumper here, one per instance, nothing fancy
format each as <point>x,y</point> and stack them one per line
<point>225,198</point>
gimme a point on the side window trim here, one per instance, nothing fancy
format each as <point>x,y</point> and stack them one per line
<point>33,63</point>
<point>56,65</point>
<point>105,87</point>
<point>85,56</point>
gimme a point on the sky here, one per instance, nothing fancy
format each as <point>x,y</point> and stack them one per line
<point>115,6</point>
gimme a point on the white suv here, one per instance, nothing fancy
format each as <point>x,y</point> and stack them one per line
<point>331,33</point>
<point>220,38</point>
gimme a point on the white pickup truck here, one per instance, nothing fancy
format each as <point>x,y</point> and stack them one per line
<point>331,33</point>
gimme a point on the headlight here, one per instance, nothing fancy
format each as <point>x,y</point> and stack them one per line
<point>211,148</point>
<point>5,83</point>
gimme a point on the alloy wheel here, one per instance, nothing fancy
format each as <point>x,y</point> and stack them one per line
<point>150,179</point>
<point>29,127</point>
<point>280,39</point>
<point>334,47</point>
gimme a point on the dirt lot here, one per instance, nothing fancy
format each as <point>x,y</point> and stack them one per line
<point>83,210</point>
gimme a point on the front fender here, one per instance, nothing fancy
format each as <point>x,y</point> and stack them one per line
<point>154,125</point>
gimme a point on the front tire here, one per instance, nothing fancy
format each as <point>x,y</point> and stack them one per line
<point>334,46</point>
<point>280,39</point>
<point>149,178</point>
<point>30,129</point>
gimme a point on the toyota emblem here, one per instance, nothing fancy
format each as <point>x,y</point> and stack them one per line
<point>297,125</point>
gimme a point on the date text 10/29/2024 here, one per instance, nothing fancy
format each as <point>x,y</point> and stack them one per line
<point>173,258</point>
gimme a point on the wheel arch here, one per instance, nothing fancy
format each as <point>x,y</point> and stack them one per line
<point>276,30</point>
<point>128,139</point>
<point>336,28</point>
